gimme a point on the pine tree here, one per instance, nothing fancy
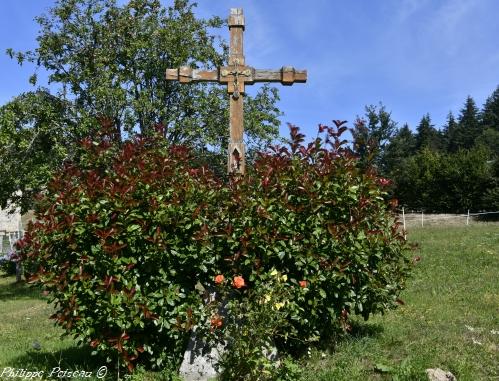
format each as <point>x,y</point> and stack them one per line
<point>468,128</point>
<point>490,114</point>
<point>427,136</point>
<point>401,146</point>
<point>449,130</point>
<point>489,136</point>
<point>372,133</point>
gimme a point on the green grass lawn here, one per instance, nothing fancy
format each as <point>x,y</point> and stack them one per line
<point>29,340</point>
<point>450,320</point>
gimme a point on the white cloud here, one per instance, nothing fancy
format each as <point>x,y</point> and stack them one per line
<point>449,25</point>
<point>407,8</point>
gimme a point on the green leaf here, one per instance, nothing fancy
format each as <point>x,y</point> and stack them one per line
<point>132,228</point>
<point>32,79</point>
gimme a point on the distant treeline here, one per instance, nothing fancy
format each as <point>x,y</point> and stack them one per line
<point>451,169</point>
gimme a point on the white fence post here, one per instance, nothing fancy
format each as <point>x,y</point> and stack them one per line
<point>468,218</point>
<point>403,217</point>
<point>422,219</point>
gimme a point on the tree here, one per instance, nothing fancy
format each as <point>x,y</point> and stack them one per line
<point>449,130</point>
<point>468,128</point>
<point>491,196</point>
<point>454,182</point>
<point>451,171</point>
<point>107,61</point>
<point>469,177</point>
<point>427,136</point>
<point>490,114</point>
<point>401,146</point>
<point>489,138</point>
<point>416,187</point>
<point>34,133</point>
<point>373,133</point>
<point>490,124</point>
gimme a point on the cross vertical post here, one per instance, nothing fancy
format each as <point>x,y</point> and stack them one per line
<point>236,155</point>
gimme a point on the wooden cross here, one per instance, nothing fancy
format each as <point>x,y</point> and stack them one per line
<point>236,75</point>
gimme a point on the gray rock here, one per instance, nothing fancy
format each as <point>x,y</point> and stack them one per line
<point>440,375</point>
<point>200,360</point>
<point>36,346</point>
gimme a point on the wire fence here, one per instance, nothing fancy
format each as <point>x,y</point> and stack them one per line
<point>421,219</point>
<point>408,218</point>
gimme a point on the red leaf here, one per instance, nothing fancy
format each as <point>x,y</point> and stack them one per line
<point>94,343</point>
<point>114,247</point>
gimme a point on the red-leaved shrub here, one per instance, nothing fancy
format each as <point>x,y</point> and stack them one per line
<point>129,239</point>
<point>122,237</point>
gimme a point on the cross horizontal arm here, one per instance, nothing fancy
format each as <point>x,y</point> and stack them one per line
<point>186,74</point>
<point>287,75</point>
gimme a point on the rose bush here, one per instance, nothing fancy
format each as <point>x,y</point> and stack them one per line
<point>254,318</point>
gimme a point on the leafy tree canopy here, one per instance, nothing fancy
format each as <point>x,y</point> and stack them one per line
<point>107,60</point>
<point>452,170</point>
<point>34,132</point>
<point>401,146</point>
<point>372,133</point>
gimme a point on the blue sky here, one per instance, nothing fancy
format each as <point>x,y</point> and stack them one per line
<point>414,56</point>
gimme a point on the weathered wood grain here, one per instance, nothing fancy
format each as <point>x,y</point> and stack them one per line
<point>236,31</point>
<point>280,75</point>
<point>185,74</point>
<point>236,17</point>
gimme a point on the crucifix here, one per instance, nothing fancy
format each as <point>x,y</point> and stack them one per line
<point>236,75</point>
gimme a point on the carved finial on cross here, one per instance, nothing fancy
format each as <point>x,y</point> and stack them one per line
<point>236,75</point>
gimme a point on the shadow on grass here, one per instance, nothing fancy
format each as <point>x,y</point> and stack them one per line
<point>10,289</point>
<point>69,359</point>
<point>359,330</point>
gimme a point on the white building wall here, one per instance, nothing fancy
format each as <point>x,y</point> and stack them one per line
<point>9,222</point>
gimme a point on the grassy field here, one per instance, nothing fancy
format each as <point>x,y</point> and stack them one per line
<point>450,320</point>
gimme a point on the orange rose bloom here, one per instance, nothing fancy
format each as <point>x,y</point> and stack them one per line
<point>303,283</point>
<point>219,279</point>
<point>238,282</point>
<point>216,321</point>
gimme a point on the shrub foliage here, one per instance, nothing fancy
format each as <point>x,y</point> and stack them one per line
<point>129,239</point>
<point>120,243</point>
<point>313,214</point>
